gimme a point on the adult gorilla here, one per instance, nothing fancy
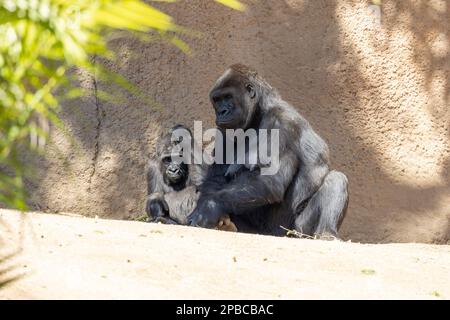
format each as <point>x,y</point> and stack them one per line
<point>303,194</point>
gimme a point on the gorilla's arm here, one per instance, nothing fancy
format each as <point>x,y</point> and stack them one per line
<point>249,190</point>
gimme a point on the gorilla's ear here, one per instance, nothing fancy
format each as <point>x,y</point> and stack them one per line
<point>251,90</point>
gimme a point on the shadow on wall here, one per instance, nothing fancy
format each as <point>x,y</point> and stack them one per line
<point>378,93</point>
<point>428,23</point>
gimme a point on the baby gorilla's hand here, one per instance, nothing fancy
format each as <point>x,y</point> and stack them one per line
<point>156,207</point>
<point>225,224</point>
<point>165,220</point>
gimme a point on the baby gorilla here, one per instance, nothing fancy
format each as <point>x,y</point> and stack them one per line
<point>173,185</point>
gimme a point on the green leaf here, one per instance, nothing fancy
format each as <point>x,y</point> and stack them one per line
<point>232,4</point>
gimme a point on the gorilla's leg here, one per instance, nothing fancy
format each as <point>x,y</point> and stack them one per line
<point>325,210</point>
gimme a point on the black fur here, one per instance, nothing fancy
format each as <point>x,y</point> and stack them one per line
<point>171,186</point>
<point>304,194</point>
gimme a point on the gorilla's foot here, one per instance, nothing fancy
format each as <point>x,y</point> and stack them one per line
<point>225,224</point>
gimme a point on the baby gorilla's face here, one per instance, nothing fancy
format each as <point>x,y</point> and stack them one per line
<point>175,171</point>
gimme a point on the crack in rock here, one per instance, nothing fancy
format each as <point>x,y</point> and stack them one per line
<point>99,115</point>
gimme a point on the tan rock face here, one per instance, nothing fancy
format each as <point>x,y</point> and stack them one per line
<point>378,92</point>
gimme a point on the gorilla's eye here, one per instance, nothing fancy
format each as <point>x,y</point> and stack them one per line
<point>167,160</point>
<point>227,96</point>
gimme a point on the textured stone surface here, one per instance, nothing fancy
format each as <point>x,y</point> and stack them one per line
<point>379,95</point>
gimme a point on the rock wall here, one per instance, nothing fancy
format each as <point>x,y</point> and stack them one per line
<point>377,91</point>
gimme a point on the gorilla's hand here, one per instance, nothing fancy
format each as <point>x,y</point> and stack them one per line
<point>206,215</point>
<point>156,208</point>
<point>164,220</point>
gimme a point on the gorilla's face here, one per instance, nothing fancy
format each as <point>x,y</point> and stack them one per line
<point>233,99</point>
<point>175,172</point>
<point>170,154</point>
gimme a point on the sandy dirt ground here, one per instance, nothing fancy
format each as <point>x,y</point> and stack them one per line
<point>71,257</point>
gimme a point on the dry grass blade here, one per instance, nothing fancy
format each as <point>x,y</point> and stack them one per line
<point>297,234</point>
